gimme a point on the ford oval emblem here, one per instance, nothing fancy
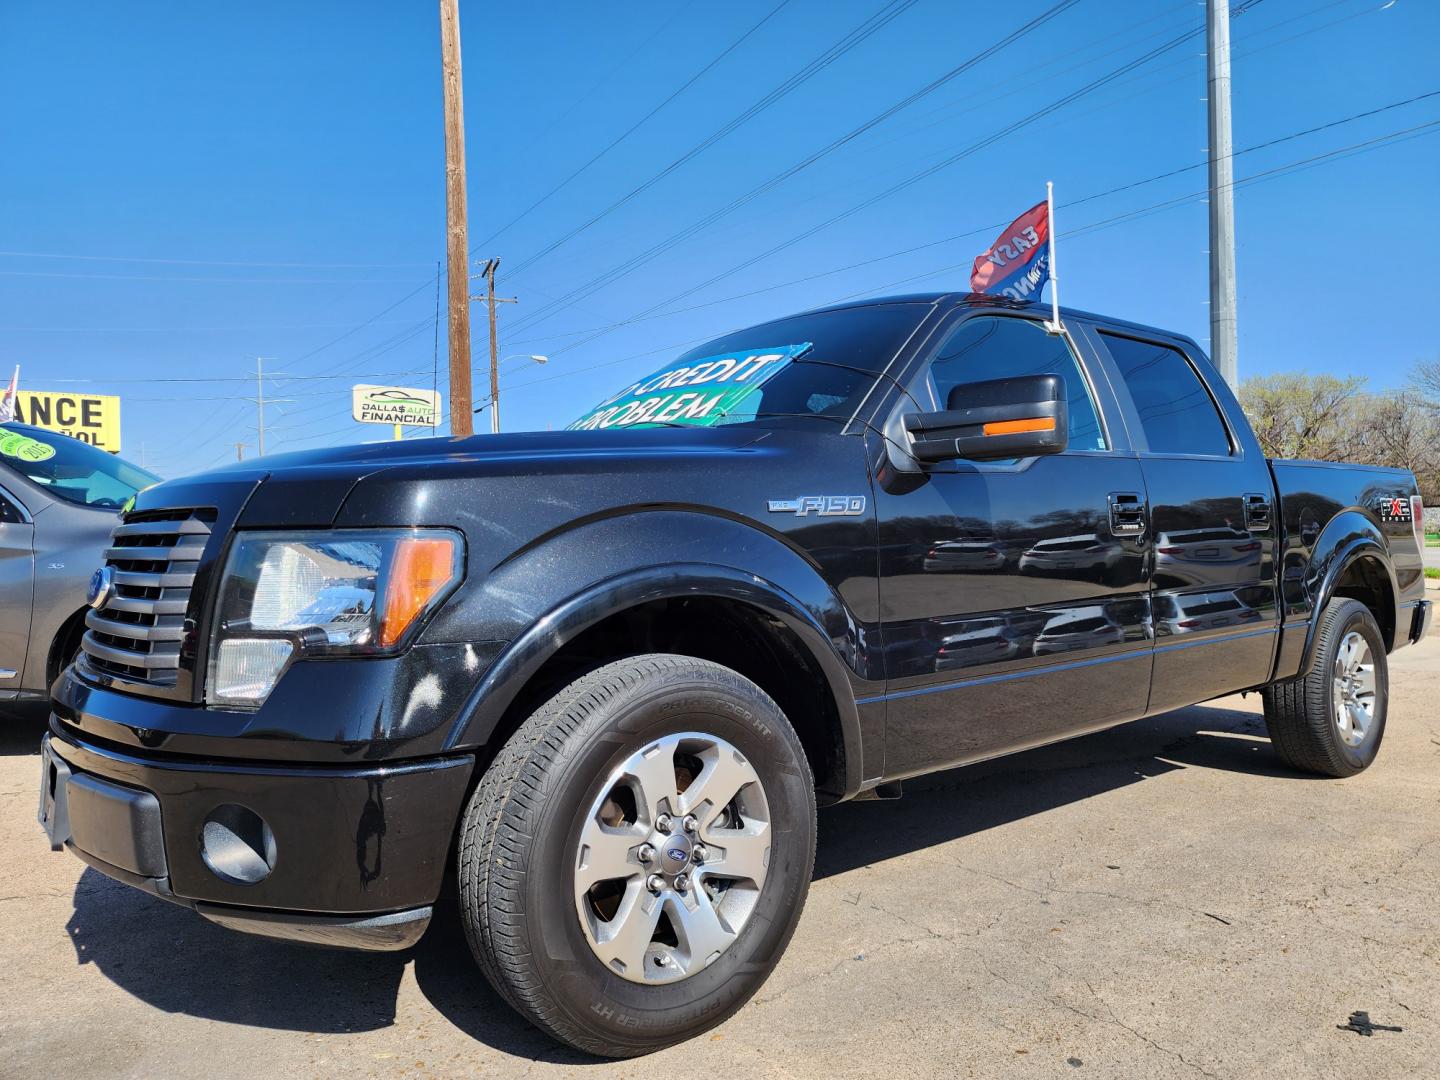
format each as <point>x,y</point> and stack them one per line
<point>677,854</point>
<point>102,585</point>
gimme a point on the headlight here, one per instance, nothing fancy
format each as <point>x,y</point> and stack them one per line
<point>344,592</point>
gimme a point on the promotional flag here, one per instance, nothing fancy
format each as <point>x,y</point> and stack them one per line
<point>7,401</point>
<point>1018,262</point>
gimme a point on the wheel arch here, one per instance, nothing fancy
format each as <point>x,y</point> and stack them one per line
<point>1352,559</point>
<point>710,602</point>
<point>64,644</point>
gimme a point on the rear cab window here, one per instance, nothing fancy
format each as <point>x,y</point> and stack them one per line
<point>1177,413</point>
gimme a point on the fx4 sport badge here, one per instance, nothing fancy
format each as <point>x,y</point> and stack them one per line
<point>820,505</point>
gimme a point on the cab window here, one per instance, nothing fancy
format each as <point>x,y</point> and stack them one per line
<point>1176,411</point>
<point>1003,348</point>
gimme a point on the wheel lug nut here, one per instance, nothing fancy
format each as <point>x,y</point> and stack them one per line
<point>698,854</point>
<point>646,853</point>
<point>682,882</point>
<point>690,824</point>
<point>655,883</point>
<point>664,823</point>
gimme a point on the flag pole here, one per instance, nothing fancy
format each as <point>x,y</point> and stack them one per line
<point>1054,326</point>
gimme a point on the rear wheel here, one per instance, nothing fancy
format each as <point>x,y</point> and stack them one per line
<point>1331,720</point>
<point>633,864</point>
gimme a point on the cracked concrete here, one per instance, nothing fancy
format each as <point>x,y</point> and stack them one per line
<point>1161,900</point>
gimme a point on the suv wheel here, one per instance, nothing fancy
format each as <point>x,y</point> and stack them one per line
<point>1331,720</point>
<point>633,863</point>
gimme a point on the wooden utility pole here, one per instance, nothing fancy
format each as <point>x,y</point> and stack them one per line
<point>457,242</point>
<point>487,271</point>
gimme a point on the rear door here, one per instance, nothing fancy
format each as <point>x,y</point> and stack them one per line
<point>1210,496</point>
<point>1014,595</point>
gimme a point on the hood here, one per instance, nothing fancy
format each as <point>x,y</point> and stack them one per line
<point>308,487</point>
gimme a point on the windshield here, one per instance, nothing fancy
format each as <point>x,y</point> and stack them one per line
<point>70,469</point>
<point>808,365</point>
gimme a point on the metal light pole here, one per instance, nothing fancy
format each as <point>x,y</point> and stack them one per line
<point>494,403</point>
<point>1222,195</point>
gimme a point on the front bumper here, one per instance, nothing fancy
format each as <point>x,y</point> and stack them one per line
<point>349,856</point>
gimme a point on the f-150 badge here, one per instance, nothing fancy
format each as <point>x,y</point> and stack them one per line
<point>820,505</point>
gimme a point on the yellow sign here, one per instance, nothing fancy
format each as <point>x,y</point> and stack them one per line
<point>91,418</point>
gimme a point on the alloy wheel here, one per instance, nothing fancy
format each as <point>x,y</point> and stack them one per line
<point>672,857</point>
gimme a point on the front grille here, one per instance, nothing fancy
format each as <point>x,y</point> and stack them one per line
<point>136,635</point>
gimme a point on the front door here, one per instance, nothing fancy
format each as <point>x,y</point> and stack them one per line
<point>1210,492</point>
<point>1014,595</point>
<point>17,583</point>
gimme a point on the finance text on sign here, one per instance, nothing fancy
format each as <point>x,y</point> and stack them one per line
<point>91,418</point>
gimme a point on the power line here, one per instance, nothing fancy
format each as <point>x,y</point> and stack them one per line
<point>1432,126</point>
<point>215,280</point>
<point>603,280</point>
<point>71,257</point>
<point>915,178</point>
<point>1259,177</point>
<point>887,13</point>
<point>635,126</point>
<point>541,133</point>
<point>174,329</point>
<point>636,261</point>
<point>360,326</point>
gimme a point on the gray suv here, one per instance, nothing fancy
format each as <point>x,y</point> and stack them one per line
<point>59,500</point>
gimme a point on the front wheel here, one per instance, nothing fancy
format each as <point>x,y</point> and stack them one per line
<point>1330,720</point>
<point>633,863</point>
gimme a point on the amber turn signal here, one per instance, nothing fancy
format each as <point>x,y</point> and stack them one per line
<point>421,568</point>
<point>1015,427</point>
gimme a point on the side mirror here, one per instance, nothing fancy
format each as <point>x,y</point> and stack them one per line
<point>989,421</point>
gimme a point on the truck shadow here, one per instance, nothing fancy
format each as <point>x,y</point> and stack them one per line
<point>960,802</point>
<point>176,961</point>
<point>21,729</point>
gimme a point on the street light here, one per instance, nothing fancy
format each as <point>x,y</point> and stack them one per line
<point>494,403</point>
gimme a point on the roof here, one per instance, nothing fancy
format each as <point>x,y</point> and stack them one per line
<point>981,300</point>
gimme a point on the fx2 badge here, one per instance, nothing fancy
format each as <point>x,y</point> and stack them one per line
<point>820,505</point>
<point>1397,510</point>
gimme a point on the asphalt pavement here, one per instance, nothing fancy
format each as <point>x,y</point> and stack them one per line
<point>1161,900</point>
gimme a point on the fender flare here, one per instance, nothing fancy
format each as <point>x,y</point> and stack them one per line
<point>1353,537</point>
<point>521,658</point>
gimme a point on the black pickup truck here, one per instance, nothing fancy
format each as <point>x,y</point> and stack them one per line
<point>599,679</point>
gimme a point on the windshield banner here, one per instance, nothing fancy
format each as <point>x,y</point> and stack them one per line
<point>696,394</point>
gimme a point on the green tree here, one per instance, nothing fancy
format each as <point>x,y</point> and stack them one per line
<point>1304,416</point>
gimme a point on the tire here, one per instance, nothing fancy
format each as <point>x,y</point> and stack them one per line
<point>521,868</point>
<point>1302,715</point>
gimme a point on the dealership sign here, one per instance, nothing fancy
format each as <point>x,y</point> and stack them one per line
<point>91,418</point>
<point>395,405</point>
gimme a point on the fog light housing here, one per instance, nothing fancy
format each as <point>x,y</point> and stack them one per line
<point>246,668</point>
<point>237,845</point>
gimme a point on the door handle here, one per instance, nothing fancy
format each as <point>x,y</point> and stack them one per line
<point>1127,514</point>
<point>1257,512</point>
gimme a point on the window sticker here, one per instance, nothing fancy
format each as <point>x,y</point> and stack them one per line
<point>696,394</point>
<point>25,448</point>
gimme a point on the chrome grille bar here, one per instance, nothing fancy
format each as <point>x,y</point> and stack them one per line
<point>135,635</point>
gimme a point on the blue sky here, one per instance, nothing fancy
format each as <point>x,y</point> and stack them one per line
<point>186,187</point>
